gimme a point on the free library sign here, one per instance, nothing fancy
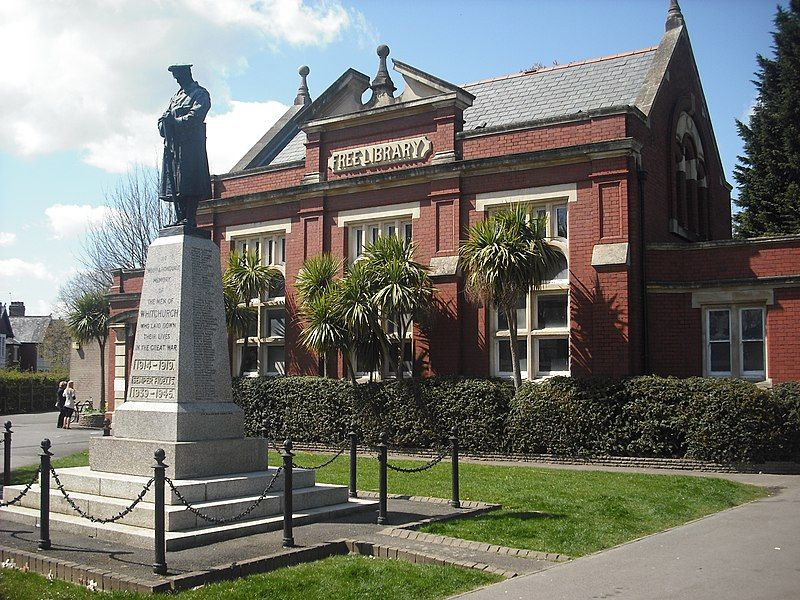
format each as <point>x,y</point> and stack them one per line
<point>377,155</point>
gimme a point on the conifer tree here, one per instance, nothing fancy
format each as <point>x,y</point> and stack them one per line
<point>769,172</point>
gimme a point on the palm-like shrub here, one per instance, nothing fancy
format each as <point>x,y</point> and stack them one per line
<point>245,279</point>
<point>504,257</point>
<point>348,314</point>
<point>400,289</point>
<point>87,320</point>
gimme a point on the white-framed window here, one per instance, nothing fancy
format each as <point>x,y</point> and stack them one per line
<point>265,353</point>
<point>735,341</point>
<point>361,235</point>
<point>363,372</point>
<point>543,340</point>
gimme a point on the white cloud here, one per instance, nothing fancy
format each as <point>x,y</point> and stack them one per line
<point>7,238</point>
<point>17,268</point>
<point>91,75</point>
<point>71,221</point>
<point>232,134</point>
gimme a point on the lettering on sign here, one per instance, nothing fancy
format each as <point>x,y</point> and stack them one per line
<point>152,380</point>
<point>153,365</point>
<point>152,393</point>
<point>388,153</point>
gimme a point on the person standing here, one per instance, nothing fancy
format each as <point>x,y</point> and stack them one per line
<point>60,402</point>
<point>69,404</point>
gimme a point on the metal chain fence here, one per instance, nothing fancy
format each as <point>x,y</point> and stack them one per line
<point>341,451</point>
<point>27,488</point>
<point>430,464</point>
<point>222,521</point>
<point>127,510</point>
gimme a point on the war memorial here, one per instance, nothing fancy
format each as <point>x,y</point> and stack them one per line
<point>179,400</point>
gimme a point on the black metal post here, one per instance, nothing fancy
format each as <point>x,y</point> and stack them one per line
<point>265,435</point>
<point>382,482</point>
<point>7,454</point>
<point>106,427</point>
<point>353,460</point>
<point>159,472</point>
<point>44,496</point>
<point>288,536</point>
<point>454,502</point>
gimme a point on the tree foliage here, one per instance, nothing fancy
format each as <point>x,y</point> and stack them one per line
<point>768,173</point>
<point>368,313</point>
<point>504,257</point>
<point>132,220</point>
<point>244,280</point>
<point>88,320</point>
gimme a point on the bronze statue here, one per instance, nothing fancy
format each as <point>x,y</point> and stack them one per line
<point>185,179</point>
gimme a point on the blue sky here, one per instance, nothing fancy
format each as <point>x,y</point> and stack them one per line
<point>87,80</point>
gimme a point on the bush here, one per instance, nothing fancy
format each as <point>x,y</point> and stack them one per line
<point>27,392</point>
<point>722,420</point>
<point>415,413</point>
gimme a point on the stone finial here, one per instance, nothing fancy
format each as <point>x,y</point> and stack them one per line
<point>674,16</point>
<point>303,97</point>
<point>383,84</point>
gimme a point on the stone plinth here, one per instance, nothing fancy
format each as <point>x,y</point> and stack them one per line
<point>179,393</point>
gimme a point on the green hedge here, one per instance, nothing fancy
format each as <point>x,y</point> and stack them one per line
<point>415,413</point>
<point>724,420</point>
<point>23,392</point>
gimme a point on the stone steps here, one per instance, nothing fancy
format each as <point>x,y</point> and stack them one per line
<point>104,495</point>
<point>178,540</point>
<point>115,485</point>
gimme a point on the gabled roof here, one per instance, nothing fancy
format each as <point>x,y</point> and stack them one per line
<point>5,322</point>
<point>600,85</point>
<point>30,330</point>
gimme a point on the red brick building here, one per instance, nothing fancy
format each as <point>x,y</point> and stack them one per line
<point>618,152</point>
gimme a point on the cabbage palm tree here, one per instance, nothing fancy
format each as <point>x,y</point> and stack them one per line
<point>324,330</point>
<point>401,289</point>
<point>87,320</point>
<point>246,279</point>
<point>504,257</point>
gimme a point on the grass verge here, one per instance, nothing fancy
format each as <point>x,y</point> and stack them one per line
<point>554,510</point>
<point>340,577</point>
<point>22,475</point>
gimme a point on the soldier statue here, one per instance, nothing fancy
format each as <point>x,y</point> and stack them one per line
<point>185,179</point>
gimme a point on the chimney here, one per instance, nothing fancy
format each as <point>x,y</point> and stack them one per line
<point>17,309</point>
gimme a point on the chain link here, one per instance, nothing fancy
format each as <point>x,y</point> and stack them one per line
<point>241,515</point>
<point>344,447</point>
<point>419,469</point>
<point>127,510</point>
<point>24,491</point>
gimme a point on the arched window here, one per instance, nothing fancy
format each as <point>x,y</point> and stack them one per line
<point>690,215</point>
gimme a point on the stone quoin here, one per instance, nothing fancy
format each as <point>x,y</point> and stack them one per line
<point>617,152</point>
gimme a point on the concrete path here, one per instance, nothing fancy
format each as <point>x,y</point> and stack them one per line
<point>30,429</point>
<point>748,552</point>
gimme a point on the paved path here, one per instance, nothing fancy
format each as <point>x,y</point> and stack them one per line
<point>749,552</point>
<point>29,429</point>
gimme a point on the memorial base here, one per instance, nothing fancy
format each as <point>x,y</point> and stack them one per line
<point>203,458</point>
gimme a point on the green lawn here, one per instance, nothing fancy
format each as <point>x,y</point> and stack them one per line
<point>549,510</point>
<point>22,475</point>
<point>340,577</point>
<point>555,510</point>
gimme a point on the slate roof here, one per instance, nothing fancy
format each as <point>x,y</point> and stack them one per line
<point>558,91</point>
<point>30,330</point>
<point>563,90</point>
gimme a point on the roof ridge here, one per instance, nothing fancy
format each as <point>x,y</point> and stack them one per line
<point>575,63</point>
